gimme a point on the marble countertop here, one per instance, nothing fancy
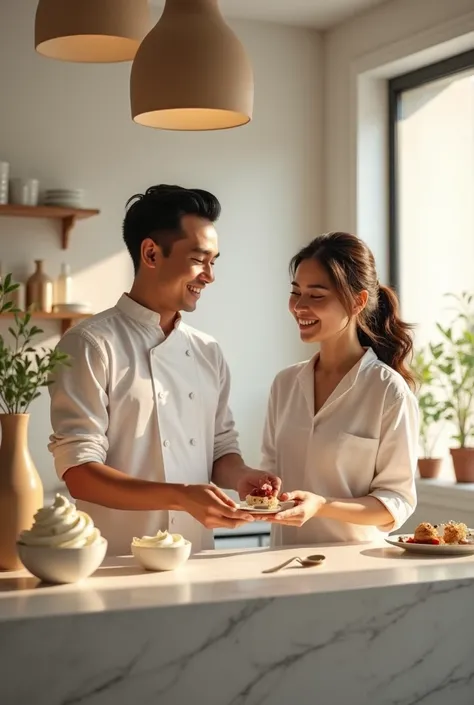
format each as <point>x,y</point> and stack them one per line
<point>224,576</point>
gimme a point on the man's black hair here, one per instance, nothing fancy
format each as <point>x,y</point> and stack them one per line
<point>157,214</point>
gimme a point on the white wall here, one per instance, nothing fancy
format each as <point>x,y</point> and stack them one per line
<point>69,125</point>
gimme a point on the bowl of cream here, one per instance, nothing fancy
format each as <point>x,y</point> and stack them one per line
<point>63,545</point>
<point>161,552</point>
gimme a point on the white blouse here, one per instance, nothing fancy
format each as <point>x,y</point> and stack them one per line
<point>363,441</point>
<point>153,407</point>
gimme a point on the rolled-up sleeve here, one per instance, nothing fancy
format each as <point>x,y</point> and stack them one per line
<point>225,435</point>
<point>397,457</point>
<point>79,405</point>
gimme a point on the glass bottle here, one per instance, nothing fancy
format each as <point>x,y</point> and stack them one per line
<point>63,289</point>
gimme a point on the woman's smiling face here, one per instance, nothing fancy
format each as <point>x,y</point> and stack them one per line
<point>315,305</point>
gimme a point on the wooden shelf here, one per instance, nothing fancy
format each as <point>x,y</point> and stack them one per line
<point>67,319</point>
<point>67,216</point>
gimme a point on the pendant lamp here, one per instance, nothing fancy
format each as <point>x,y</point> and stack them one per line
<point>89,31</point>
<point>191,72</point>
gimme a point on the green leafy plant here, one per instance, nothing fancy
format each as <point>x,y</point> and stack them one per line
<point>455,363</point>
<point>431,407</point>
<point>23,368</point>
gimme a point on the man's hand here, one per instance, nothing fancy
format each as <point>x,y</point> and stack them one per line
<point>250,479</point>
<point>307,505</point>
<point>212,507</point>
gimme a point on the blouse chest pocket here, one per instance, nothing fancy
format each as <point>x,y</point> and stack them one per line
<point>355,460</point>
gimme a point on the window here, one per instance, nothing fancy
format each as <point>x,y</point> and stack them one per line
<point>432,188</point>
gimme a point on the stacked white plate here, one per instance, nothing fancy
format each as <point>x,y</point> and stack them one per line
<point>72,308</point>
<point>68,198</point>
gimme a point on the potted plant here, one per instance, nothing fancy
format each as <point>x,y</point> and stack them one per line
<point>24,369</point>
<point>455,362</point>
<point>431,411</point>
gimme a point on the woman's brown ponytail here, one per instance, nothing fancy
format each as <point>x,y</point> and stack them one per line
<point>389,336</point>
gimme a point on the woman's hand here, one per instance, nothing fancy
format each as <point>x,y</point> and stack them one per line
<point>307,506</point>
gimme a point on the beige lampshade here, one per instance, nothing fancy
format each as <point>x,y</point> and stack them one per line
<point>91,31</point>
<point>191,72</point>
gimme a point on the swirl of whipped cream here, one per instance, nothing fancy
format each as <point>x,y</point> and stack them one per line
<point>61,525</point>
<point>162,540</point>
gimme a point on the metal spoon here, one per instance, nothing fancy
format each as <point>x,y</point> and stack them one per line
<point>307,562</point>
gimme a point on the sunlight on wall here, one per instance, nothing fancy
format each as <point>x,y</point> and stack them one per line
<point>436,186</point>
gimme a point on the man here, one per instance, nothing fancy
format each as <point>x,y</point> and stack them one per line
<point>141,423</point>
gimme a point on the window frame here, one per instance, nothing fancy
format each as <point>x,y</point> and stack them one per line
<point>396,87</point>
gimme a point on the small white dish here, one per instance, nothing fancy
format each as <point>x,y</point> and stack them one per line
<point>444,549</point>
<point>282,506</point>
<point>62,565</point>
<point>163,558</point>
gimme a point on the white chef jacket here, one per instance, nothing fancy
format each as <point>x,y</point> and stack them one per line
<point>153,407</point>
<point>363,441</point>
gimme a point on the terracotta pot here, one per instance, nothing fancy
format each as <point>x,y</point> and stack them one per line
<point>429,468</point>
<point>21,490</point>
<point>463,461</point>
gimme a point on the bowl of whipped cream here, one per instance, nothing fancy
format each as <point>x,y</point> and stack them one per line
<point>161,552</point>
<point>63,545</point>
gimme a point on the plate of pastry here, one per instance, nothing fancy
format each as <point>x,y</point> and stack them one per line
<point>273,509</point>
<point>450,539</point>
<point>262,501</point>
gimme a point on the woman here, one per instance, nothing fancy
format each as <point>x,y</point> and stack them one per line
<point>343,427</point>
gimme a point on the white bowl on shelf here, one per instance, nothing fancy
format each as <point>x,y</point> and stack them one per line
<point>164,558</point>
<point>62,565</point>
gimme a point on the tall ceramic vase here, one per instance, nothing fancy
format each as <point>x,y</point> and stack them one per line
<point>21,490</point>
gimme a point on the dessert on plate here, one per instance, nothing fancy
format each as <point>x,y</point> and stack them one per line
<point>262,497</point>
<point>427,533</point>
<point>455,532</point>
<point>452,533</point>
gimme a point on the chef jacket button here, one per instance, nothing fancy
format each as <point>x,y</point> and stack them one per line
<point>193,441</point>
<point>191,395</point>
<point>166,443</point>
<point>161,395</point>
<point>172,520</point>
<point>188,353</point>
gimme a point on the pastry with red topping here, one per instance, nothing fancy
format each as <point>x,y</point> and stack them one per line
<point>427,533</point>
<point>453,533</point>
<point>262,497</point>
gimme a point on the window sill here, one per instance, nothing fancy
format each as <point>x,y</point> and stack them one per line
<point>446,493</point>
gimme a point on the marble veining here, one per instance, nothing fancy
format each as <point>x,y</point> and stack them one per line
<point>400,645</point>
